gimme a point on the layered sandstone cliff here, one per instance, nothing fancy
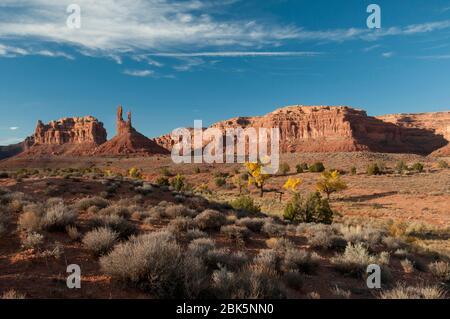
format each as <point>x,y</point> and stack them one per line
<point>128,141</point>
<point>436,122</point>
<point>67,136</point>
<point>334,129</point>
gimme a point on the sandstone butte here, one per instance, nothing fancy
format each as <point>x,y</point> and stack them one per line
<point>343,129</point>
<point>302,129</point>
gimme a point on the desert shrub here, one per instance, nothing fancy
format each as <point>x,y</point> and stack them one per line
<point>145,189</point>
<point>174,211</point>
<point>178,183</point>
<point>224,257</point>
<point>201,246</point>
<point>195,277</point>
<point>134,173</point>
<point>330,182</point>
<point>73,233</point>
<point>245,204</point>
<point>272,229</point>
<point>284,168</point>
<point>401,167</point>
<point>162,181</point>
<point>84,203</point>
<point>236,233</point>
<point>418,167</point>
<point>30,221</point>
<point>442,164</point>
<point>419,292</point>
<point>326,240</point>
<point>58,217</point>
<point>100,240</point>
<point>32,241</point>
<point>301,168</point>
<point>12,294</point>
<point>116,223</point>
<point>115,210</point>
<point>300,260</point>
<point>356,258</point>
<point>153,262</point>
<point>362,234</point>
<point>210,219</point>
<point>195,233</point>
<point>253,224</point>
<point>181,224</point>
<point>353,170</point>
<point>250,283</point>
<point>220,181</point>
<point>392,243</point>
<point>440,270</point>
<point>317,167</point>
<point>374,169</point>
<point>312,209</point>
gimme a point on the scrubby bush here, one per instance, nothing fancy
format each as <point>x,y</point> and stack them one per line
<point>418,167</point>
<point>272,229</point>
<point>353,170</point>
<point>58,217</point>
<point>245,204</point>
<point>356,258</point>
<point>195,233</point>
<point>30,221</point>
<point>339,293</point>
<point>116,223</point>
<point>374,169</point>
<point>313,209</point>
<point>134,173</point>
<point>420,292</point>
<point>362,234</point>
<point>224,257</point>
<point>253,224</point>
<point>162,181</point>
<point>401,167</point>
<point>174,211</point>
<point>293,279</point>
<point>301,168</point>
<point>115,210</point>
<point>300,260</point>
<point>178,183</point>
<point>153,262</point>
<point>181,224</point>
<point>441,270</point>
<point>72,232</point>
<point>84,203</point>
<point>12,294</point>
<point>100,241</point>
<point>284,168</point>
<point>32,241</point>
<point>210,219</point>
<point>236,233</point>
<point>326,238</point>
<point>442,164</point>
<point>220,181</point>
<point>166,172</point>
<point>317,167</point>
<point>145,189</point>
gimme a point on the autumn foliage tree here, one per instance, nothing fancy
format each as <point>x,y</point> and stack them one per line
<point>256,176</point>
<point>330,182</point>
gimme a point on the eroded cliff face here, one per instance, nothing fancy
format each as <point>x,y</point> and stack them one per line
<point>72,130</point>
<point>437,122</point>
<point>334,129</point>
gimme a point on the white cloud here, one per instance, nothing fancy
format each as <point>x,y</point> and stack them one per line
<point>54,54</point>
<point>233,54</point>
<point>387,54</point>
<point>139,73</point>
<point>14,128</point>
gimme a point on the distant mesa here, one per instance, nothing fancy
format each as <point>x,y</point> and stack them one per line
<point>302,129</point>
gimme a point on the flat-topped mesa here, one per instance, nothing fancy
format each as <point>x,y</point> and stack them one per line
<point>71,130</point>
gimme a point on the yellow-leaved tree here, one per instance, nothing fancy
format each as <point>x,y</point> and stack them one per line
<point>330,182</point>
<point>256,177</point>
<point>292,184</point>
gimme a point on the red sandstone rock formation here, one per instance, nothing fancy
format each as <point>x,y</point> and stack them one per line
<point>67,136</point>
<point>334,129</point>
<point>128,141</point>
<point>437,122</point>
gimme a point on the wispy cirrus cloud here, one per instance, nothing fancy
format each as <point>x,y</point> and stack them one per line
<point>139,73</point>
<point>233,54</point>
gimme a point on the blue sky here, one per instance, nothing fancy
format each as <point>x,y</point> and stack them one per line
<point>171,62</point>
